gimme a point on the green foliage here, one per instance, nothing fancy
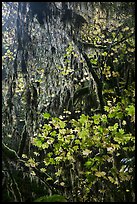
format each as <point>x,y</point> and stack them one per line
<point>88,155</point>
<point>84,136</point>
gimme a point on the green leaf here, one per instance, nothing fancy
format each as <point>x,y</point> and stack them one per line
<point>124,122</point>
<point>62,183</point>
<point>106,108</point>
<point>46,115</point>
<point>83,134</point>
<point>111,179</point>
<point>45,145</point>
<point>70,157</point>
<point>104,118</point>
<point>62,131</point>
<point>83,119</point>
<point>130,110</point>
<point>115,126</point>
<point>100,174</point>
<point>32,162</point>
<point>50,140</point>
<point>104,54</point>
<point>62,124</point>
<point>89,163</point>
<point>77,142</point>
<point>96,118</point>
<point>100,129</point>
<point>111,115</point>
<point>59,172</point>
<point>118,139</point>
<point>37,142</point>
<point>43,170</point>
<point>54,133</point>
<point>49,179</point>
<point>121,131</point>
<point>47,127</point>
<point>119,115</point>
<point>74,123</point>
<point>94,61</point>
<point>86,152</point>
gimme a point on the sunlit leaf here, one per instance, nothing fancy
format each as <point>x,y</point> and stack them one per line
<point>100,174</point>
<point>86,152</point>
<point>46,115</point>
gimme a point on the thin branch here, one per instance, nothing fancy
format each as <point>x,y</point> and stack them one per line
<point>122,40</point>
<point>10,154</point>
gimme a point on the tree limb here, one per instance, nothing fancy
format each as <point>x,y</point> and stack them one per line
<point>97,80</point>
<point>10,154</point>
